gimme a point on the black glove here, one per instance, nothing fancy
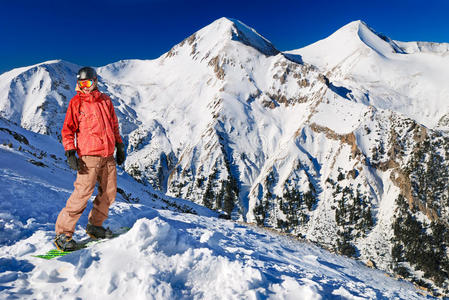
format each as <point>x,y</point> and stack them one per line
<point>120,157</point>
<point>72,160</point>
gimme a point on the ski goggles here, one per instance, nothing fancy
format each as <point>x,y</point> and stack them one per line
<point>85,83</point>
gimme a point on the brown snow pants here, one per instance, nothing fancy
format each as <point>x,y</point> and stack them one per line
<point>91,170</point>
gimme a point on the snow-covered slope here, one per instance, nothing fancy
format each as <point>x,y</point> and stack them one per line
<point>35,96</point>
<point>341,142</point>
<point>165,255</point>
<point>173,256</point>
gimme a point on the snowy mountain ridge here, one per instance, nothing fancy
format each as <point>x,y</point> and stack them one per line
<point>345,148</point>
<point>406,77</point>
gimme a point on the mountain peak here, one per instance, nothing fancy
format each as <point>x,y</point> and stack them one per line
<point>223,30</point>
<point>232,29</point>
<point>355,38</point>
<point>354,27</point>
<point>356,24</point>
<point>369,37</point>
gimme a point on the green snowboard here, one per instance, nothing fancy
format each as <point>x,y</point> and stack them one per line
<point>86,243</point>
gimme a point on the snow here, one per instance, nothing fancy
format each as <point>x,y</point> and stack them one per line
<point>173,256</point>
<point>165,255</point>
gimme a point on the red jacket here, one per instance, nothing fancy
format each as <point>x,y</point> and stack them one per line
<point>91,125</point>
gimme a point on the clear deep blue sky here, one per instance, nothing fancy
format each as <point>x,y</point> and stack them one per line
<point>100,32</point>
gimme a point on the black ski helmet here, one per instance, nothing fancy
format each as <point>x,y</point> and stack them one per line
<point>86,73</point>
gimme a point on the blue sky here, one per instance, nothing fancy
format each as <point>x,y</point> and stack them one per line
<point>100,32</point>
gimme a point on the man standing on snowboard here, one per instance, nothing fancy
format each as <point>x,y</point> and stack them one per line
<point>90,130</point>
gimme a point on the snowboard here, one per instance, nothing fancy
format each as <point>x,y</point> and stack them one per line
<point>85,243</point>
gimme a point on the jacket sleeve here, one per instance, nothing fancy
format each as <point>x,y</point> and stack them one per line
<point>118,138</point>
<point>70,126</point>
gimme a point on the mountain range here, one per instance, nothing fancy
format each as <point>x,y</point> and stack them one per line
<point>343,142</point>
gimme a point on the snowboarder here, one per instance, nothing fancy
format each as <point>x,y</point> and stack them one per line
<point>90,130</point>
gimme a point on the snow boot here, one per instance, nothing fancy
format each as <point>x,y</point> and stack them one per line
<point>65,243</point>
<point>98,232</point>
